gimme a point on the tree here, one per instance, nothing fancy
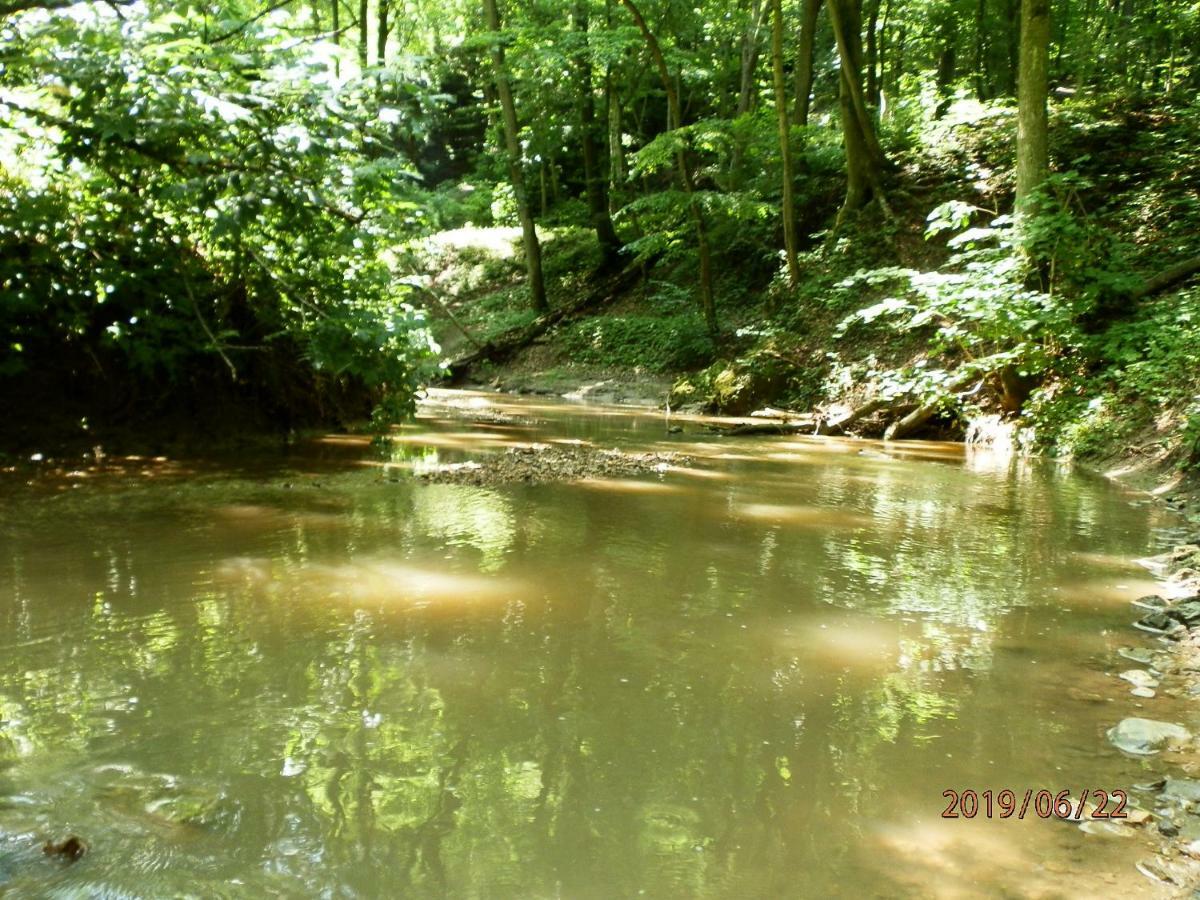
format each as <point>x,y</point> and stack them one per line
<point>516,175</point>
<point>865,161</point>
<point>606,234</point>
<point>675,122</point>
<point>785,150</point>
<point>804,60</point>
<point>1032,90</point>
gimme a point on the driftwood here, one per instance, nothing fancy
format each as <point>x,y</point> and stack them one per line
<point>507,345</point>
<point>839,426</point>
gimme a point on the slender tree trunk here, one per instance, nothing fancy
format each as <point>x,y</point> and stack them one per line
<point>1013,14</point>
<point>884,59</point>
<point>897,66</point>
<point>785,149</point>
<point>751,48</point>
<point>675,119</point>
<point>363,44</point>
<point>981,73</point>
<point>804,60</point>
<point>1033,86</point>
<point>606,234</point>
<point>516,175</point>
<point>616,152</point>
<point>1084,60</point>
<point>947,61</point>
<point>382,36</point>
<point>335,19</point>
<point>873,53</point>
<point>865,161</point>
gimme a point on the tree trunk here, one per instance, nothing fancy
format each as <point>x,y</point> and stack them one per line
<point>982,90</point>
<point>1032,88</point>
<point>881,97</point>
<point>606,234</point>
<point>947,61</point>
<point>751,47</point>
<point>804,60</point>
<point>675,119</point>
<point>616,152</point>
<point>896,69</point>
<point>785,149</point>
<point>362,33</point>
<point>516,175</point>
<point>1013,15</point>
<point>382,36</point>
<point>873,54</point>
<point>865,161</point>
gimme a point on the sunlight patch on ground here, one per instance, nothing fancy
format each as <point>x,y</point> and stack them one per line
<point>497,241</point>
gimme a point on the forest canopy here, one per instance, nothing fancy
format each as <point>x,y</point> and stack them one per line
<point>222,205</point>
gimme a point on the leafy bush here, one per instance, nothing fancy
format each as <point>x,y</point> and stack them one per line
<point>1011,296</point>
<point>182,213</point>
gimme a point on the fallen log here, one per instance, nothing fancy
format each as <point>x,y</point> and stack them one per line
<point>506,345</point>
<point>915,420</point>
<point>1164,280</point>
<point>752,428</point>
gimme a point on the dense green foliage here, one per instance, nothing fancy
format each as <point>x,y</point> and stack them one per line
<point>231,202</point>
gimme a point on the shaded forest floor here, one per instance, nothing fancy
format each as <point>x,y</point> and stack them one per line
<point>1128,402</point>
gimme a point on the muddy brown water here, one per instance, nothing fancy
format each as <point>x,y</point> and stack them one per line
<point>313,675</point>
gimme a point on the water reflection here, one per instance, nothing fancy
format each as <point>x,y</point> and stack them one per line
<point>750,679</point>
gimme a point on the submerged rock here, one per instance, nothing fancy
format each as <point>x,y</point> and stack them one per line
<point>1106,828</point>
<point>1146,736</point>
<point>1144,656</point>
<point>71,849</point>
<point>1139,678</point>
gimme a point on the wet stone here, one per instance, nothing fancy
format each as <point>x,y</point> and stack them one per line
<point>1187,612</point>
<point>1160,623</point>
<point>1139,678</point>
<point>1144,737</point>
<point>1152,603</point>
<point>1186,790</point>
<point>1137,655</point>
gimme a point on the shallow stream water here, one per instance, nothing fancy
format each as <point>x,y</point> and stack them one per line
<point>311,674</point>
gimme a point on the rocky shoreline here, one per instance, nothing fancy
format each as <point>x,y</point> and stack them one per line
<point>1172,618</point>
